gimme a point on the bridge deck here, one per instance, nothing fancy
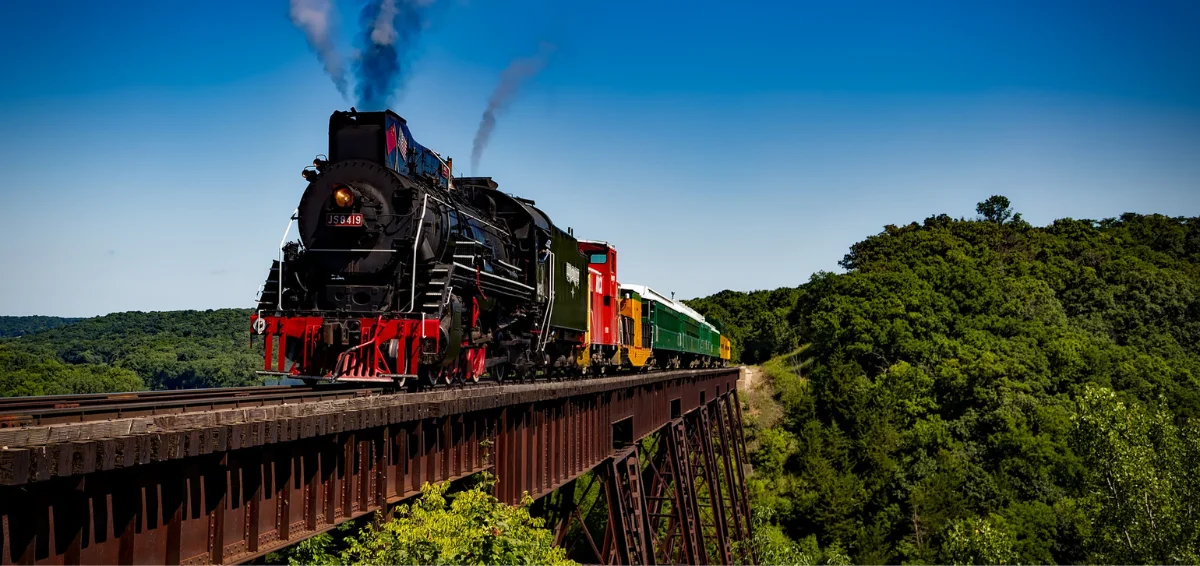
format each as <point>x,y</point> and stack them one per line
<point>228,484</point>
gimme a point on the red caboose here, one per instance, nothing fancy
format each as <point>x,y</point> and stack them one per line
<point>604,305</point>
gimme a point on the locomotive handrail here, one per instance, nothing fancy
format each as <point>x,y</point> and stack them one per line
<point>509,265</point>
<point>282,241</point>
<point>549,303</point>
<point>493,275</point>
<point>353,250</point>
<point>468,215</point>
<point>412,298</point>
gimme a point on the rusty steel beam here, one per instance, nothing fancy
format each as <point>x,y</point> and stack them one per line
<point>627,507</point>
<point>672,515</point>
<point>678,496</point>
<point>224,487</point>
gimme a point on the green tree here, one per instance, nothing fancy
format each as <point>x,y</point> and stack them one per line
<point>995,209</point>
<point>978,540</point>
<point>469,527</point>
<point>1142,475</point>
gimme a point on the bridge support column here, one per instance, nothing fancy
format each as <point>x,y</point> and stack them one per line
<point>733,450</point>
<point>672,499</point>
<point>677,496</point>
<point>627,518</point>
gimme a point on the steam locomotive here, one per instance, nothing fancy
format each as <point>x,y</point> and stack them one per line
<point>403,271</point>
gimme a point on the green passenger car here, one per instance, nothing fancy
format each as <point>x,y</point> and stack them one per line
<point>674,327</point>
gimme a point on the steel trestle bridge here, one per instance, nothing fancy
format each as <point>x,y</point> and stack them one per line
<point>226,476</point>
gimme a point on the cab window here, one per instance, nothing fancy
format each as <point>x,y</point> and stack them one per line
<point>598,258</point>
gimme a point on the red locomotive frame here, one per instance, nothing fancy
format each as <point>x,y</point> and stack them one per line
<point>371,359</point>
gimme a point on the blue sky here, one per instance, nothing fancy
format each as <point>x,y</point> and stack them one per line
<point>151,150</point>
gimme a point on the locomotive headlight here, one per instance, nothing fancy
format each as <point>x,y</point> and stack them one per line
<point>343,197</point>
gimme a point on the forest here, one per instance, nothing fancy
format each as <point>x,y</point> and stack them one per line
<point>13,326</point>
<point>130,351</point>
<point>981,391</point>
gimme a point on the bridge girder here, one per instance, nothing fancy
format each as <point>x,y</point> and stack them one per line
<point>227,489</point>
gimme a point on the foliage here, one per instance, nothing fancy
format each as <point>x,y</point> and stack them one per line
<point>28,374</point>
<point>987,391</point>
<point>756,322</point>
<point>312,551</point>
<point>996,209</point>
<point>978,540</point>
<point>1142,475</point>
<point>471,527</point>
<point>772,546</point>
<point>163,350</point>
<point>13,326</point>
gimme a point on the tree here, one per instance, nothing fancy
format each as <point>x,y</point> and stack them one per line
<point>995,209</point>
<point>470,527</point>
<point>1141,479</point>
<point>978,541</point>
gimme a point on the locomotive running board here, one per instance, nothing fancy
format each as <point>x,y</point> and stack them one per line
<point>382,378</point>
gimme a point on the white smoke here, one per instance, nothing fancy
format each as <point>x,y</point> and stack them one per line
<point>384,30</point>
<point>519,71</point>
<point>315,19</point>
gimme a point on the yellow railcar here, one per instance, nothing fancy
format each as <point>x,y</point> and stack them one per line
<point>635,340</point>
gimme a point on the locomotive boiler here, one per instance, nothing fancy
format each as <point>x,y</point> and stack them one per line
<point>403,271</point>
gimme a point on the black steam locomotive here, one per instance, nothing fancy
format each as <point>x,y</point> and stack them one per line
<point>403,271</point>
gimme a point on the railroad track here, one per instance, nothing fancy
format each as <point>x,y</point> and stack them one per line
<point>63,409</point>
<point>59,409</point>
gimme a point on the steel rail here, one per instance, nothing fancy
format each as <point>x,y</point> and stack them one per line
<point>59,409</point>
<point>48,400</point>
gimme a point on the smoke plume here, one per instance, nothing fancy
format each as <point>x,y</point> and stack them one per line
<point>389,31</point>
<point>315,19</point>
<point>510,83</point>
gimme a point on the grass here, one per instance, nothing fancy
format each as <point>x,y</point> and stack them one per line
<point>761,401</point>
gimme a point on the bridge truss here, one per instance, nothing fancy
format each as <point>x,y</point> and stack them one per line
<point>646,469</point>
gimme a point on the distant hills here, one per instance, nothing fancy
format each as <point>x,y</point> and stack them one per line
<point>13,326</point>
<point>131,350</point>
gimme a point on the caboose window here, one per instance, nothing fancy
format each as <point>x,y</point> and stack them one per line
<point>598,258</point>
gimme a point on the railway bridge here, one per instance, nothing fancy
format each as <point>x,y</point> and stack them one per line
<point>226,476</point>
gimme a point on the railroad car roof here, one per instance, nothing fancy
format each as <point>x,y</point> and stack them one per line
<point>651,294</point>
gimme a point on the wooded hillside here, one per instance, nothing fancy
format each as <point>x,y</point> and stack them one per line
<point>133,350</point>
<point>13,326</point>
<point>984,391</point>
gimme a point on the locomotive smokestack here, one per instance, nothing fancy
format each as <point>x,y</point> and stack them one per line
<point>510,83</point>
<point>315,19</point>
<point>390,29</point>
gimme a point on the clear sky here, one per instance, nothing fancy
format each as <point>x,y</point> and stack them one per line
<point>151,150</point>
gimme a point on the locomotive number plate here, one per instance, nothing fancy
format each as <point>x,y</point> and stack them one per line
<point>344,220</point>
